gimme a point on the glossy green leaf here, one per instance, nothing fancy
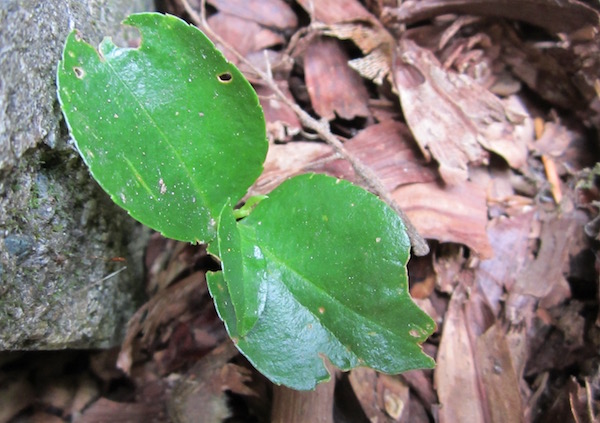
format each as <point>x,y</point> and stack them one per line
<point>330,262</point>
<point>246,268</point>
<point>170,129</point>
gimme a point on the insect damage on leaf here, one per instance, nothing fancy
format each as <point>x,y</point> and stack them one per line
<point>225,77</point>
<point>170,129</point>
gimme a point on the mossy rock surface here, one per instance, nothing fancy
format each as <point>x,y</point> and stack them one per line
<point>70,260</point>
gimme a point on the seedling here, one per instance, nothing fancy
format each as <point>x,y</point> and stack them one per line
<point>176,136</point>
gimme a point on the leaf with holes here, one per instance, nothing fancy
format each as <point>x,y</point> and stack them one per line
<point>318,269</point>
<point>170,129</point>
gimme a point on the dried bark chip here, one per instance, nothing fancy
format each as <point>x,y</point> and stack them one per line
<point>553,15</point>
<point>393,397</point>
<point>282,121</point>
<point>455,374</point>
<point>199,394</point>
<point>388,149</point>
<point>247,36</point>
<point>509,238</point>
<point>336,11</point>
<point>364,384</point>
<point>421,383</point>
<point>270,13</point>
<point>373,40</point>
<point>554,140</point>
<point>333,87</point>
<point>452,117</point>
<point>105,410</point>
<point>286,160</point>
<point>549,72</point>
<point>453,214</point>
<point>548,266</point>
<point>374,66</point>
<point>164,307</point>
<point>499,380</point>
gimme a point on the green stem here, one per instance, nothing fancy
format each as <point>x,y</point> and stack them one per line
<point>245,210</point>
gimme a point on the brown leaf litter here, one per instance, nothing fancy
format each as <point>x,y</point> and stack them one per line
<point>479,118</point>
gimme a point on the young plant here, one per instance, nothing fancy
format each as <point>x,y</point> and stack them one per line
<point>175,135</point>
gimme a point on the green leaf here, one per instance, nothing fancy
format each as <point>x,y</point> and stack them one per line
<point>245,268</point>
<point>170,129</point>
<point>330,259</point>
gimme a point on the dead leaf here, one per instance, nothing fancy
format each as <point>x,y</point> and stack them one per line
<point>543,279</point>
<point>247,36</point>
<point>162,308</point>
<point>455,375</point>
<point>364,384</point>
<point>453,214</point>
<point>105,410</point>
<point>453,118</point>
<point>500,383</point>
<point>336,11</point>
<point>282,121</point>
<point>509,238</point>
<point>554,140</point>
<point>375,66</point>
<point>420,382</point>
<point>394,397</point>
<point>366,37</point>
<point>333,87</point>
<point>267,13</point>
<point>449,262</point>
<point>548,71</point>
<point>286,160</point>
<point>201,391</point>
<point>388,149</point>
<point>373,40</point>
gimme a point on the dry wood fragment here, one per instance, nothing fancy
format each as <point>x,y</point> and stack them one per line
<point>554,15</point>
<point>453,119</point>
<point>333,87</point>
<point>452,214</point>
<point>268,13</point>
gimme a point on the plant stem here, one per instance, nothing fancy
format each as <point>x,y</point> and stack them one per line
<point>291,406</point>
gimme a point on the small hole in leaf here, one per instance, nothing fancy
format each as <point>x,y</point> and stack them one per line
<point>79,73</point>
<point>414,333</point>
<point>225,77</point>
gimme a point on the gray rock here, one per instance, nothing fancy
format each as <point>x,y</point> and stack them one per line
<point>70,260</point>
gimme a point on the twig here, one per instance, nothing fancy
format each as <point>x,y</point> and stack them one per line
<point>321,127</point>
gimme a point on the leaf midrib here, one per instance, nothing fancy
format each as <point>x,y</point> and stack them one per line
<point>162,134</point>
<point>306,280</point>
